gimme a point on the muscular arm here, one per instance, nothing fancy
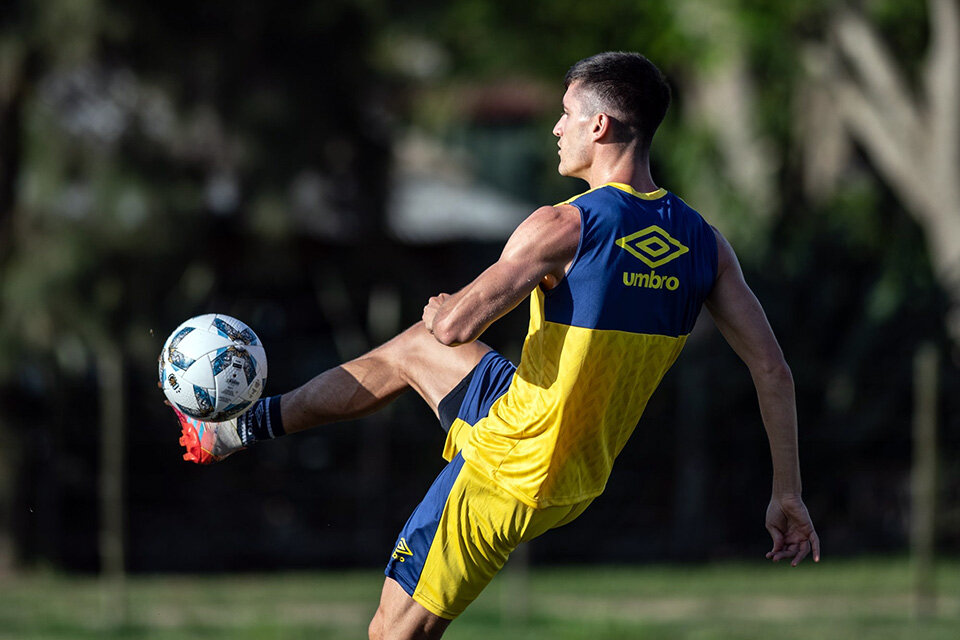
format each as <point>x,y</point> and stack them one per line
<point>539,251</point>
<point>741,320</point>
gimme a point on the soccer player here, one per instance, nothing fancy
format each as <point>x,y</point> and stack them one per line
<point>616,277</point>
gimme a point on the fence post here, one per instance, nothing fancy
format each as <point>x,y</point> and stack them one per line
<point>924,479</point>
<point>112,455</point>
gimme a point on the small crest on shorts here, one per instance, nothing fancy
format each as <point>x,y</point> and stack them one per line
<point>402,550</point>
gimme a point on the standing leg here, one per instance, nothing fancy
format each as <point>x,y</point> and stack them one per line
<point>399,617</point>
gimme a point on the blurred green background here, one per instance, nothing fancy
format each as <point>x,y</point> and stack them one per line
<point>319,168</point>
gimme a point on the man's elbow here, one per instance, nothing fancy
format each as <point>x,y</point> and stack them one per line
<point>451,334</point>
<point>773,369</point>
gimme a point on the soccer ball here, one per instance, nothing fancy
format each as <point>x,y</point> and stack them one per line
<point>213,367</point>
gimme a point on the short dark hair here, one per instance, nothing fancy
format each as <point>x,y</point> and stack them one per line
<point>628,87</point>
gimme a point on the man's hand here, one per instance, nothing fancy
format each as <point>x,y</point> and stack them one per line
<point>539,251</point>
<point>430,309</point>
<point>792,530</point>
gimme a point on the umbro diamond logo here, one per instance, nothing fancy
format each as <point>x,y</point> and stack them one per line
<point>653,246</point>
<point>402,550</point>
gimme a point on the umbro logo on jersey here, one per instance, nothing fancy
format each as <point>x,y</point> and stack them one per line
<point>651,281</point>
<point>653,246</point>
<point>402,550</point>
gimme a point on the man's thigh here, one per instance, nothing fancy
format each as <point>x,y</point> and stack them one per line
<point>461,535</point>
<point>431,368</point>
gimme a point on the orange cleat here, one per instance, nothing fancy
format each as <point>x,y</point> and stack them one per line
<point>207,442</point>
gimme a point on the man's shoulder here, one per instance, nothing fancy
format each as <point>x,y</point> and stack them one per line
<point>590,194</point>
<point>547,233</point>
<point>563,214</point>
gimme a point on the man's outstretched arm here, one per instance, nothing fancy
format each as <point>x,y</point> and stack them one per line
<point>741,320</point>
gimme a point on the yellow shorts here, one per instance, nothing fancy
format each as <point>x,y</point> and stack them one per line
<point>461,535</point>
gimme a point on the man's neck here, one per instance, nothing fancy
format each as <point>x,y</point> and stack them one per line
<point>625,168</point>
<point>640,180</point>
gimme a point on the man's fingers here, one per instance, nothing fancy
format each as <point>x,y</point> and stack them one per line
<point>815,544</point>
<point>803,550</point>
<point>777,541</point>
<point>797,551</point>
<point>783,553</point>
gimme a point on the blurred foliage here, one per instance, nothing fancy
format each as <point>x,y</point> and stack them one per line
<point>163,160</point>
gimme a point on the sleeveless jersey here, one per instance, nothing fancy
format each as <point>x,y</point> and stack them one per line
<point>597,346</point>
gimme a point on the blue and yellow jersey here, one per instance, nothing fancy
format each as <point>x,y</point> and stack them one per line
<point>597,346</point>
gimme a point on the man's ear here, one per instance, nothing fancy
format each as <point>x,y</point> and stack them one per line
<point>602,125</point>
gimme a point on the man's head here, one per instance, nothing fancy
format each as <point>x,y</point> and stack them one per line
<point>625,86</point>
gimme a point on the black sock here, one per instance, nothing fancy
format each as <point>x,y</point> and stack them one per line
<point>261,422</point>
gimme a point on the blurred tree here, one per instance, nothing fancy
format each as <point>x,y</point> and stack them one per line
<point>864,94</point>
<point>143,151</point>
<point>13,81</point>
<point>159,159</point>
<point>732,64</point>
<point>843,275</point>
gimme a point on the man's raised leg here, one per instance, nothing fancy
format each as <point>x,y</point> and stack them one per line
<point>412,360</point>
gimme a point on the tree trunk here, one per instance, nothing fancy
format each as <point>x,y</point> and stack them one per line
<point>112,455</point>
<point>912,140</point>
<point>924,479</point>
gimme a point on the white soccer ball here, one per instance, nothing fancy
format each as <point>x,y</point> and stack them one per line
<point>213,367</point>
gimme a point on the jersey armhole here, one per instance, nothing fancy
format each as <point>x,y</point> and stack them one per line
<point>576,255</point>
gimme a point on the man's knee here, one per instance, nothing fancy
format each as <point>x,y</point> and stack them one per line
<point>413,337</point>
<point>430,368</point>
<point>375,630</point>
<point>398,352</point>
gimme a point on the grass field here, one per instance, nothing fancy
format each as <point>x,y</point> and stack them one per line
<point>848,599</point>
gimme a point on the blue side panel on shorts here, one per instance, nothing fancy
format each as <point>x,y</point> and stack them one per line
<point>417,535</point>
<point>491,378</point>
